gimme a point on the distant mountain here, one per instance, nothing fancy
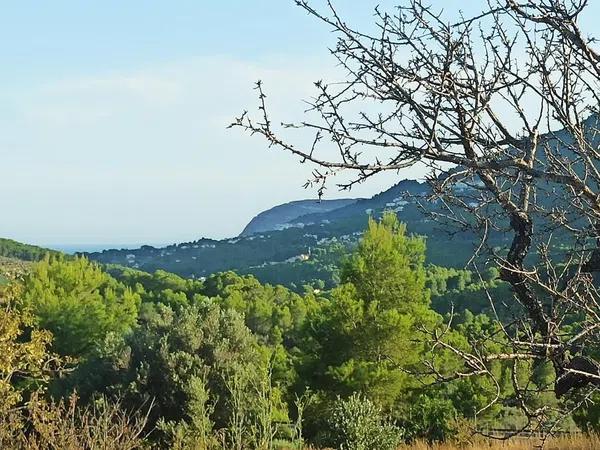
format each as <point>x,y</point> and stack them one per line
<point>280,217</point>
<point>391,199</point>
<point>303,249</point>
<point>301,242</point>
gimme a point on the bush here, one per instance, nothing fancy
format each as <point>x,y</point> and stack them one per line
<point>45,425</point>
<point>431,418</point>
<point>356,423</point>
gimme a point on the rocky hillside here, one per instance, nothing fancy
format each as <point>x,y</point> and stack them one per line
<point>280,217</point>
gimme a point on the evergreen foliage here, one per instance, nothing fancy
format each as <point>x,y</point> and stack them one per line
<point>369,329</point>
<point>78,302</point>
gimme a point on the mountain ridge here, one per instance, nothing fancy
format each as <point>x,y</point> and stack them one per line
<point>298,251</point>
<point>279,217</point>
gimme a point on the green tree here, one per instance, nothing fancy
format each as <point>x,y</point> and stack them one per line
<point>370,328</point>
<point>78,302</point>
<point>199,365</point>
<point>388,267</point>
<point>356,423</point>
<point>269,311</point>
<point>27,418</point>
<point>158,287</point>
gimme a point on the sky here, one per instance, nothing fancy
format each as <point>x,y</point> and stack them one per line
<point>113,115</point>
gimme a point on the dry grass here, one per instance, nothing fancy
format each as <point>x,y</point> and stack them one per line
<point>574,442</point>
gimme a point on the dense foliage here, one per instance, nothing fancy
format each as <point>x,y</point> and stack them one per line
<point>366,332</point>
<point>78,302</point>
<point>25,252</point>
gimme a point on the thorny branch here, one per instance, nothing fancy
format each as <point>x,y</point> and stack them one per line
<point>504,103</point>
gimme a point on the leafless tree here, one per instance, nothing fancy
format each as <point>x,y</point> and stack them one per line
<point>502,107</point>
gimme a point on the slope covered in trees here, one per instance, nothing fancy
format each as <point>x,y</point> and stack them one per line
<point>25,252</point>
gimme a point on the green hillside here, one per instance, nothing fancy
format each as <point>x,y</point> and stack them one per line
<point>25,252</point>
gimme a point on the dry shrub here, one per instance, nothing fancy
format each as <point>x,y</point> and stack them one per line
<point>64,425</point>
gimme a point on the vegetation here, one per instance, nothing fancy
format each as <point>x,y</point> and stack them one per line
<point>11,268</point>
<point>24,252</point>
<point>369,329</point>
<point>577,442</point>
<point>78,302</point>
<point>96,353</point>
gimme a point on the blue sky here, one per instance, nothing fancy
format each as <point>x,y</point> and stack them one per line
<point>113,115</point>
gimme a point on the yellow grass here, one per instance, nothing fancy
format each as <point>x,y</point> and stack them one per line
<point>575,442</point>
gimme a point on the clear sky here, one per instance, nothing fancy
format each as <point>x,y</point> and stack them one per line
<point>113,115</point>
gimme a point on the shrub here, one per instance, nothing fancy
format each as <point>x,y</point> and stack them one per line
<point>431,418</point>
<point>356,423</point>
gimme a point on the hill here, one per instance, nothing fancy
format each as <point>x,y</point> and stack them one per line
<point>280,217</point>
<point>25,252</point>
<point>16,257</point>
<point>302,250</point>
<point>301,242</point>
